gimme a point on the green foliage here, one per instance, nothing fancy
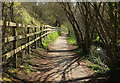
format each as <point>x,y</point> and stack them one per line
<point>98,69</point>
<point>66,27</point>
<point>6,79</point>
<point>51,14</point>
<point>49,39</point>
<point>72,41</point>
<point>87,61</point>
<point>60,31</point>
<point>80,53</point>
<point>97,39</point>
<point>11,71</point>
<point>95,67</point>
<point>20,13</point>
<point>97,56</point>
<point>28,67</point>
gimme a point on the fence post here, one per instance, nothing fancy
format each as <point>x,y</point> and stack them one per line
<point>15,44</point>
<point>46,31</point>
<point>41,35</point>
<point>35,37</point>
<point>28,31</point>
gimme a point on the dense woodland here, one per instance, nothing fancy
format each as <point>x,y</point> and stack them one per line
<point>93,25</point>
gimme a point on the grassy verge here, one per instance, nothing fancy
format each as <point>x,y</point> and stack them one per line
<point>78,51</point>
<point>49,39</point>
<point>72,41</point>
<point>93,58</point>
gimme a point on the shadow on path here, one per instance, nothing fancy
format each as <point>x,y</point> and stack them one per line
<point>60,65</point>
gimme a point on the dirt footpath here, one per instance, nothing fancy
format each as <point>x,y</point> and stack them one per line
<point>59,65</point>
<point>63,66</point>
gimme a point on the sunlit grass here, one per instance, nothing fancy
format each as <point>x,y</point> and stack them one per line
<point>49,39</point>
<point>98,69</point>
<point>72,41</point>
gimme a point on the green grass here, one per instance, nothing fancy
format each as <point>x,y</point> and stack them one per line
<point>28,67</point>
<point>79,52</point>
<point>72,41</point>
<point>98,69</point>
<point>49,39</point>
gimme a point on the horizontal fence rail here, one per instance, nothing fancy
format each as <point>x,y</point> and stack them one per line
<point>9,54</point>
<point>43,31</point>
<point>9,39</point>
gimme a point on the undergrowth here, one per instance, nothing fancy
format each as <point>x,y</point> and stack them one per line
<point>72,41</point>
<point>96,56</point>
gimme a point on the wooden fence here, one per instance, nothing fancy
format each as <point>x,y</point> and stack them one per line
<point>39,34</point>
